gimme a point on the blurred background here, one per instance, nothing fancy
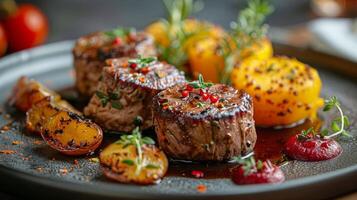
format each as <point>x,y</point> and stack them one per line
<point>69,19</point>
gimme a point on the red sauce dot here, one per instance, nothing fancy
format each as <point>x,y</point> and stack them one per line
<point>197,173</point>
<point>205,96</point>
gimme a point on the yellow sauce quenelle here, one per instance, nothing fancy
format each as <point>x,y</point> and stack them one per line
<point>284,90</point>
<point>205,55</point>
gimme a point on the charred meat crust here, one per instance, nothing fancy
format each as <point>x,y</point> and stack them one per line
<point>214,132</point>
<point>132,91</point>
<point>91,51</point>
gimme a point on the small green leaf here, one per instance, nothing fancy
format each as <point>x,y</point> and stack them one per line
<point>138,121</point>
<point>113,96</point>
<point>324,132</point>
<point>200,104</point>
<point>128,162</point>
<point>152,166</point>
<point>100,94</point>
<point>117,105</point>
<point>148,140</point>
<point>335,127</point>
<point>104,102</point>
<point>346,121</point>
<point>259,164</point>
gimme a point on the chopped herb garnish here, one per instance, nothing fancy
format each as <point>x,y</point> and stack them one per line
<point>200,84</point>
<point>200,104</point>
<point>111,97</point>
<point>138,141</point>
<point>248,164</point>
<point>119,32</point>
<point>152,166</point>
<point>117,105</point>
<point>128,162</point>
<point>138,121</point>
<point>141,62</point>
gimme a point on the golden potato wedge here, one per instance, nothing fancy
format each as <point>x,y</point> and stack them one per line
<point>124,162</point>
<point>71,134</point>
<point>39,114</point>
<point>28,92</point>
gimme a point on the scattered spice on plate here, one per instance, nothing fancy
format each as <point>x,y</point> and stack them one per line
<point>16,142</point>
<point>94,160</point>
<point>7,151</point>
<point>63,171</point>
<point>201,188</point>
<point>75,162</point>
<point>37,142</point>
<point>39,169</point>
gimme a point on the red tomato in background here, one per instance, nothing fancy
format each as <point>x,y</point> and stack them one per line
<point>3,42</point>
<point>25,28</point>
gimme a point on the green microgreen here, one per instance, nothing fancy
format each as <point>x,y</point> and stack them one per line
<point>200,83</point>
<point>338,125</point>
<point>119,32</point>
<point>142,61</point>
<point>136,139</point>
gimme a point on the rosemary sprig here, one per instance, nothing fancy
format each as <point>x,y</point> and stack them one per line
<point>248,29</point>
<point>138,141</point>
<point>200,83</point>
<point>142,62</point>
<point>178,11</point>
<point>119,32</point>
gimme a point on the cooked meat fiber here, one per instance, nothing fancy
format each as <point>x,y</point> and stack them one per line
<point>126,91</point>
<point>210,124</point>
<point>91,51</point>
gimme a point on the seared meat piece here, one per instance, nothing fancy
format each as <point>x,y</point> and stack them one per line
<point>204,122</point>
<point>124,95</point>
<point>91,51</point>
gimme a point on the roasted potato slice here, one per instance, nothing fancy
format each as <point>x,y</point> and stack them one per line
<point>284,90</point>
<point>39,114</point>
<point>71,134</point>
<point>133,161</point>
<point>28,92</point>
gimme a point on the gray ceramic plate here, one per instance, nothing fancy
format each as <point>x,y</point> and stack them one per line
<point>35,169</point>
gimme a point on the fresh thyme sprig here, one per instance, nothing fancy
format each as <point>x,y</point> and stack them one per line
<point>200,83</point>
<point>142,62</point>
<point>119,32</point>
<point>248,29</point>
<point>138,141</point>
<point>338,125</point>
<point>112,97</point>
<point>178,11</point>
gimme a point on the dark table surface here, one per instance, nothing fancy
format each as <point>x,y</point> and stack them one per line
<point>69,19</point>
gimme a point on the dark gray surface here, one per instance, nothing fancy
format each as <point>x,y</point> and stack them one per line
<point>70,19</point>
<point>52,64</point>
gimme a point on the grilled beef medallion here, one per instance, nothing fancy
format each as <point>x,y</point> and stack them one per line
<point>204,121</point>
<point>91,51</point>
<point>125,92</point>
